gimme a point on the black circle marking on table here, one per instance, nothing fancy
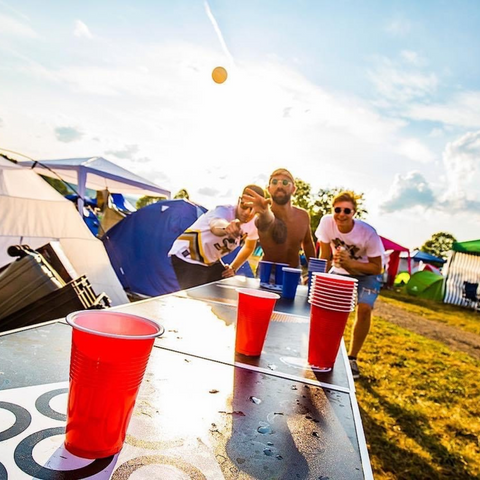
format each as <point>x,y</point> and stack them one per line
<point>3,472</point>
<point>24,459</point>
<point>22,420</point>
<point>43,404</point>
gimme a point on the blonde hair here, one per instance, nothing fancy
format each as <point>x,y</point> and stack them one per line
<point>346,196</point>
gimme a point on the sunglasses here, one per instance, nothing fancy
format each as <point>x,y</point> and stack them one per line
<point>346,211</point>
<point>283,182</point>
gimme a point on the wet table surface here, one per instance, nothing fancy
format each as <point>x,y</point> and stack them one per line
<point>202,411</point>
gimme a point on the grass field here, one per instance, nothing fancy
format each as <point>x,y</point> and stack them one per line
<point>420,401</point>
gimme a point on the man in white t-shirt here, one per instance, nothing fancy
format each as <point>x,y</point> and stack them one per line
<point>356,250</point>
<point>196,254</point>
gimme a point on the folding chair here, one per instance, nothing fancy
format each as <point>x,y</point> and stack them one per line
<point>470,294</point>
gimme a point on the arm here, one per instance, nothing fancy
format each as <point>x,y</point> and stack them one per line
<point>261,206</point>
<point>240,259</point>
<point>308,245</point>
<point>307,242</point>
<point>354,267</point>
<point>221,227</point>
<point>326,253</point>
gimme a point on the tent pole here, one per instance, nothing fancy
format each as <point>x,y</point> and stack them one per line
<point>82,180</point>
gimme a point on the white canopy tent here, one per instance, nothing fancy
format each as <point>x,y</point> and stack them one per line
<point>33,213</point>
<point>96,173</point>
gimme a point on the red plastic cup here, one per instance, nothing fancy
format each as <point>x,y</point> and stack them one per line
<point>326,332</point>
<point>321,292</point>
<point>110,351</point>
<point>335,279</point>
<point>255,308</point>
<point>333,285</point>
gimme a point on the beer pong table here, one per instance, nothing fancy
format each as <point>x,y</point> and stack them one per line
<point>203,411</point>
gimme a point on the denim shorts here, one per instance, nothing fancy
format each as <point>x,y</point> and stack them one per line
<point>368,288</point>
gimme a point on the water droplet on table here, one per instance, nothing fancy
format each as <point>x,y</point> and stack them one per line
<point>264,429</point>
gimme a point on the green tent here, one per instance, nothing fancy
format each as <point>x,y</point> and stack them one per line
<point>473,247</point>
<point>426,284</point>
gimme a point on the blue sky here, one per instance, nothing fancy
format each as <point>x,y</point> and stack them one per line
<point>380,97</point>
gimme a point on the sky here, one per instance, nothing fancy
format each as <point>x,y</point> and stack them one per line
<point>379,97</point>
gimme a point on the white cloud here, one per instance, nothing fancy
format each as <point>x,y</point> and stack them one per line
<point>411,57</point>
<point>81,30</point>
<point>415,150</point>
<point>10,26</point>
<point>461,159</point>
<point>462,110</point>
<point>208,192</point>
<point>128,152</point>
<point>408,191</point>
<point>398,82</point>
<point>458,188</point>
<point>399,27</point>
<point>68,134</point>
<point>436,132</point>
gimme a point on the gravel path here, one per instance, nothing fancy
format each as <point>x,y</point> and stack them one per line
<point>453,337</point>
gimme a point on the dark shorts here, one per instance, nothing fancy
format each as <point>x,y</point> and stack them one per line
<point>191,275</point>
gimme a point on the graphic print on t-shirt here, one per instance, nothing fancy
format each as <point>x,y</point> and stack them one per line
<point>351,249</point>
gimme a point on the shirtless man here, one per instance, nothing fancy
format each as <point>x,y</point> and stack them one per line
<point>282,228</point>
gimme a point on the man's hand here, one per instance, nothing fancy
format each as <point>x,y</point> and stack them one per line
<point>228,272</point>
<point>233,229</point>
<point>341,258</point>
<point>252,199</point>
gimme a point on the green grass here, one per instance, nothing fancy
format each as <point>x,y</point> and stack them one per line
<point>420,404</point>
<point>460,317</point>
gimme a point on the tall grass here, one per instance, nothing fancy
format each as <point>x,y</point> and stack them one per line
<point>420,405</point>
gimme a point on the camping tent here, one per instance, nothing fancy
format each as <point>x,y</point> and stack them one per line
<point>138,246</point>
<point>426,284</point>
<point>393,259</point>
<point>33,213</point>
<point>463,265</point>
<point>417,260</point>
<point>96,173</point>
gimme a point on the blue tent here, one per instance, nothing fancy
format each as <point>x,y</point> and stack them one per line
<point>138,246</point>
<point>427,258</point>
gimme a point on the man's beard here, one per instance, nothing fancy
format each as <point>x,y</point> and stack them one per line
<point>281,200</point>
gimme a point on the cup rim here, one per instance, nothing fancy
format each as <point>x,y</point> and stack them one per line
<point>327,302</point>
<point>318,289</point>
<point>70,318</point>
<point>292,269</point>
<point>335,277</point>
<point>258,293</point>
<point>331,295</point>
<point>334,286</point>
<point>325,307</point>
<point>347,298</point>
<point>331,288</point>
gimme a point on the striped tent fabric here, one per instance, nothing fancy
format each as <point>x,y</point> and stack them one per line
<point>461,267</point>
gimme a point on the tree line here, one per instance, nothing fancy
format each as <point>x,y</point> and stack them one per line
<point>317,204</point>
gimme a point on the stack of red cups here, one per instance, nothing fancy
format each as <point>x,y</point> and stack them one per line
<point>332,298</point>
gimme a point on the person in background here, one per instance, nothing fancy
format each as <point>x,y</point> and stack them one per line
<point>356,250</point>
<point>196,254</point>
<point>283,229</point>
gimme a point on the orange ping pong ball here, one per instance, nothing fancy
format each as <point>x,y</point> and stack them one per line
<point>219,75</point>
